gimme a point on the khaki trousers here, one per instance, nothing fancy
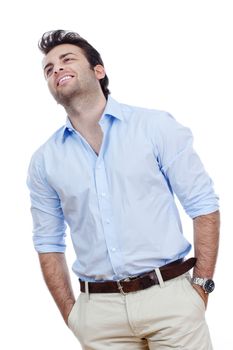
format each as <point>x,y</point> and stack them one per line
<point>170,316</point>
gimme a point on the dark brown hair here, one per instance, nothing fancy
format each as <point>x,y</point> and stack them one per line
<point>53,38</point>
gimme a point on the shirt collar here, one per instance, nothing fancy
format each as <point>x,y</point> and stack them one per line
<point>112,109</point>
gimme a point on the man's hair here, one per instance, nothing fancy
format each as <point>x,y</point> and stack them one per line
<point>53,38</point>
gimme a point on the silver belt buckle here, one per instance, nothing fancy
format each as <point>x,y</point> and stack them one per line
<point>127,279</point>
<point>120,286</point>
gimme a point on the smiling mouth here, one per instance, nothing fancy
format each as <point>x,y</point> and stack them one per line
<point>64,79</point>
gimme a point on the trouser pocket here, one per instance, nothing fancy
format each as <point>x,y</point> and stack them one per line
<point>73,316</point>
<point>193,294</point>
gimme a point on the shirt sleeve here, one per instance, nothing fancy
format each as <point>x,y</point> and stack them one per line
<point>48,221</point>
<point>183,169</point>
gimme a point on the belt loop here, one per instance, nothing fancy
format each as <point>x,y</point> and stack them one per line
<point>87,291</point>
<point>160,278</point>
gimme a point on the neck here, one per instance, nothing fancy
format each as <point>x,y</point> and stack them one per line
<point>85,113</point>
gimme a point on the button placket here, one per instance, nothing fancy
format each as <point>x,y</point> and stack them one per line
<point>107,216</point>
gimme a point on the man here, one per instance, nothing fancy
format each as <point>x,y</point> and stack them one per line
<point>110,174</point>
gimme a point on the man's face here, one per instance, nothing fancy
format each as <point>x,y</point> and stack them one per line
<point>68,73</point>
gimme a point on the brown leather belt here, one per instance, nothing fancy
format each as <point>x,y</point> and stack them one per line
<point>146,280</point>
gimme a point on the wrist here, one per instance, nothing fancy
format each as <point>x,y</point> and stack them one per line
<point>67,309</point>
<point>206,284</point>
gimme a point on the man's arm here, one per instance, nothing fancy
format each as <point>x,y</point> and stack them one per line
<point>206,242</point>
<point>57,278</point>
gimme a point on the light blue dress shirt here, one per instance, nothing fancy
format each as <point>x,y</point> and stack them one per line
<point>118,205</point>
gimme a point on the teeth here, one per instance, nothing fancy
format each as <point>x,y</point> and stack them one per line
<point>67,77</point>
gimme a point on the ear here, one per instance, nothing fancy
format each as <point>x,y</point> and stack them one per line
<point>99,71</point>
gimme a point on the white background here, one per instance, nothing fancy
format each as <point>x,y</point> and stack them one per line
<point>174,55</point>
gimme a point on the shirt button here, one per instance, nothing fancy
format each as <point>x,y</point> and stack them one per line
<point>113,249</point>
<point>108,221</point>
<point>103,194</point>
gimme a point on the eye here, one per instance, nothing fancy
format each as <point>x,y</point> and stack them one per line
<point>48,72</point>
<point>67,59</point>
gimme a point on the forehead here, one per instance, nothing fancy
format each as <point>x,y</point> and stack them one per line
<point>60,50</point>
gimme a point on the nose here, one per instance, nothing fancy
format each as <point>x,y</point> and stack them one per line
<point>58,69</point>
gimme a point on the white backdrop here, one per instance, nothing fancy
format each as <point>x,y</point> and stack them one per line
<point>174,55</point>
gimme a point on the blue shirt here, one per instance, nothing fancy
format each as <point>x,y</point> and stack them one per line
<point>120,204</point>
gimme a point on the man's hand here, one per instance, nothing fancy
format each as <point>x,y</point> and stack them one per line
<point>57,278</point>
<point>202,294</point>
<point>67,311</point>
<point>206,241</point>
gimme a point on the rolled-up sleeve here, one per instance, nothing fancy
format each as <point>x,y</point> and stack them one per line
<point>184,170</point>
<point>48,221</point>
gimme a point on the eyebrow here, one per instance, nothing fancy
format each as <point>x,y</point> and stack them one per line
<point>60,58</point>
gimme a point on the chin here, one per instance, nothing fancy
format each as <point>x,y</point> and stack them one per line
<point>65,97</point>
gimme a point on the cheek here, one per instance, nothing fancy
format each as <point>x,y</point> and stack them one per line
<point>51,86</point>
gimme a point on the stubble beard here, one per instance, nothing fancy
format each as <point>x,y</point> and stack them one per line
<point>65,98</point>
